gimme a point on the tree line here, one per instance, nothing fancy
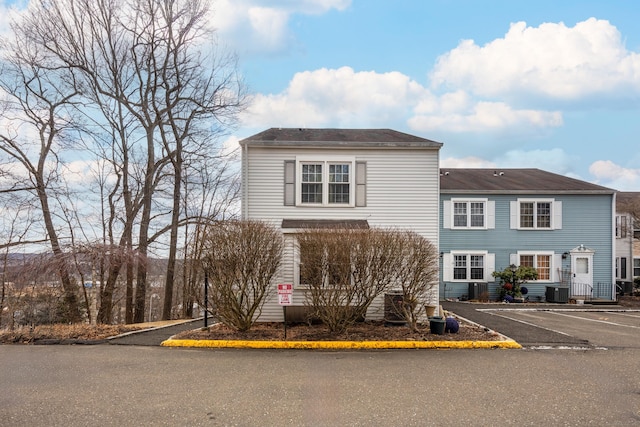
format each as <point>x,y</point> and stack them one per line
<point>112,116</point>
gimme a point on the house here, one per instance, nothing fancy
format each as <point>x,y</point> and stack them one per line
<point>627,239</point>
<point>493,219</point>
<point>299,178</point>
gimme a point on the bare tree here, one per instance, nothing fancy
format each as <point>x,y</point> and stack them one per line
<point>629,203</point>
<point>241,259</point>
<point>42,103</point>
<point>209,194</point>
<point>145,69</point>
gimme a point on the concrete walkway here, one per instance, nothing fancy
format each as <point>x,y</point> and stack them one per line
<point>155,336</point>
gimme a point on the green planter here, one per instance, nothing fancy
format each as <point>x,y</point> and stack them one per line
<point>437,325</point>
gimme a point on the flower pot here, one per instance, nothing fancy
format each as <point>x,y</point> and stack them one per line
<point>437,325</point>
<point>431,310</point>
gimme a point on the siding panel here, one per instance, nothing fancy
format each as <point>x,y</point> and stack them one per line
<point>401,193</point>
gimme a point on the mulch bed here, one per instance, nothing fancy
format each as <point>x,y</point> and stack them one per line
<point>64,334</point>
<point>362,331</point>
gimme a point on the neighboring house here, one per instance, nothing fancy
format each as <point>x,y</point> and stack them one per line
<point>492,219</point>
<point>627,239</point>
<point>299,178</point>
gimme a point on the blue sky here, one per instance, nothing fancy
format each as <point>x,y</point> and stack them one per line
<point>548,84</point>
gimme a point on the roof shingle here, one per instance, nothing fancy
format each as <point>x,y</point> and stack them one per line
<point>513,180</point>
<point>338,137</point>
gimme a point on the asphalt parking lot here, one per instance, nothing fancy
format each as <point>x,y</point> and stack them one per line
<point>557,326</point>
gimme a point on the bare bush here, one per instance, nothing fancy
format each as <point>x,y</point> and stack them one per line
<point>346,270</point>
<point>241,259</point>
<point>417,276</point>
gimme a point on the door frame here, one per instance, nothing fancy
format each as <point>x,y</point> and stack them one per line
<point>577,286</point>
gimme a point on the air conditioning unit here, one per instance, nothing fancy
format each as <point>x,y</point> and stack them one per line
<point>557,294</point>
<point>478,291</point>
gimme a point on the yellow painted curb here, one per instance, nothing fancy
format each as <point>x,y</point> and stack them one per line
<point>341,345</point>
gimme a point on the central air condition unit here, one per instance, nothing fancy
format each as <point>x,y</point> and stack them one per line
<point>557,294</point>
<point>478,291</point>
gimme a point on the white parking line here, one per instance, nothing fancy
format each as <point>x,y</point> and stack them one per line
<point>530,324</point>
<point>595,320</point>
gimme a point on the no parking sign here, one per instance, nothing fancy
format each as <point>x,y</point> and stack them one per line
<point>285,294</point>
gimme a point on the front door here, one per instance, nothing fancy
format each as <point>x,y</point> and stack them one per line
<point>582,272</point>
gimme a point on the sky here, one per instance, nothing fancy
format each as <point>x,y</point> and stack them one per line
<point>553,85</point>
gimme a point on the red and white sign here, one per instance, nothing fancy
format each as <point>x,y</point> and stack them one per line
<point>285,293</point>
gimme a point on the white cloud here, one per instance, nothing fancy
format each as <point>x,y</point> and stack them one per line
<point>484,116</point>
<point>337,97</point>
<point>615,176</point>
<point>344,97</point>
<point>230,146</point>
<point>9,11</point>
<point>553,160</point>
<point>466,162</point>
<point>254,26</point>
<point>551,60</point>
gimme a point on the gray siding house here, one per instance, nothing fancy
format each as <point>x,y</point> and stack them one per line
<point>298,178</point>
<point>492,219</point>
<point>627,240</point>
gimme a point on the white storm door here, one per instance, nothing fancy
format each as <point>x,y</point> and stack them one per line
<point>582,280</point>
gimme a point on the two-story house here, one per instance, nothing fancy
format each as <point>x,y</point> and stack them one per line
<point>299,178</point>
<point>627,264</point>
<point>493,219</point>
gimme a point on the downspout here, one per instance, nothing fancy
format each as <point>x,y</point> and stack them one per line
<point>614,294</point>
<point>244,178</point>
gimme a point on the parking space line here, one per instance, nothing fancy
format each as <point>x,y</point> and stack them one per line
<point>595,320</point>
<point>529,323</point>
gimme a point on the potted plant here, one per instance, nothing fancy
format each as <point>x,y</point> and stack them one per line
<point>511,280</point>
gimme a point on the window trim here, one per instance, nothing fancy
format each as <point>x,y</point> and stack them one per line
<point>535,202</point>
<point>468,202</point>
<point>468,254</point>
<point>326,161</point>
<point>535,255</point>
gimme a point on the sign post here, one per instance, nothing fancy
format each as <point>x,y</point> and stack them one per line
<point>285,298</point>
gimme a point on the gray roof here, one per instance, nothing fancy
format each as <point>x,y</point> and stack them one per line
<point>521,181</point>
<point>301,137</point>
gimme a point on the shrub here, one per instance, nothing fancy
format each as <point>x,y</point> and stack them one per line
<point>346,270</point>
<point>511,280</point>
<point>241,259</point>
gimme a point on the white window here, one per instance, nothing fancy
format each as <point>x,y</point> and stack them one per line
<point>311,182</point>
<point>461,266</point>
<point>636,267</point>
<point>621,226</point>
<point>469,214</point>
<point>533,214</point>
<point>326,182</point>
<point>543,262</point>
<point>326,272</point>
